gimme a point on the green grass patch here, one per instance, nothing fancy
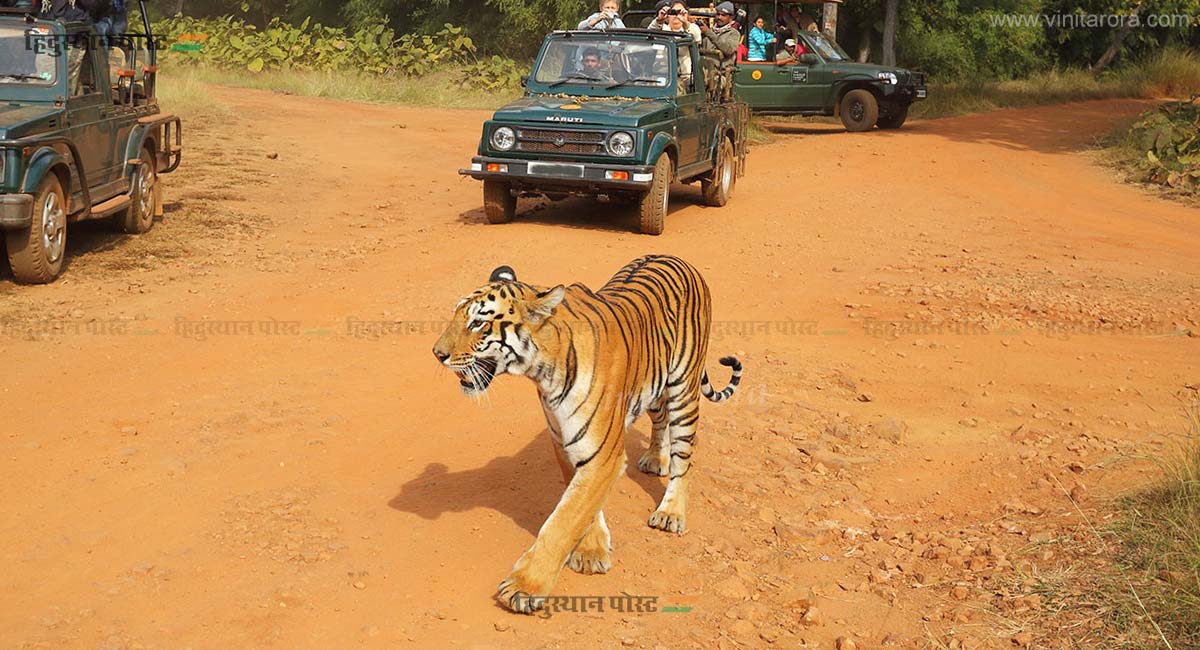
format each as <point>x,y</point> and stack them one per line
<point>1159,534</point>
<point>1170,73</point>
<point>437,89</point>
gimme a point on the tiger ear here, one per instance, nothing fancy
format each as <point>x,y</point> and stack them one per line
<point>543,305</point>
<point>503,274</point>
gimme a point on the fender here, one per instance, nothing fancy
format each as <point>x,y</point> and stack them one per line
<point>658,145</point>
<point>133,148</point>
<point>39,165</point>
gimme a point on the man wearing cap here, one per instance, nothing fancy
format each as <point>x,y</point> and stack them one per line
<point>659,17</point>
<point>791,52</point>
<point>719,46</point>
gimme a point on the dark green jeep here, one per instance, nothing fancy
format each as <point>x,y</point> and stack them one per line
<point>619,114</point>
<point>81,137</point>
<point>823,80</point>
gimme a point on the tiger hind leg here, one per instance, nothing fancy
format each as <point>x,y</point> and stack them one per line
<point>683,413</point>
<point>656,460</point>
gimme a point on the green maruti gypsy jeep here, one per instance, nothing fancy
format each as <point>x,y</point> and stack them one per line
<point>624,130</point>
<point>76,141</point>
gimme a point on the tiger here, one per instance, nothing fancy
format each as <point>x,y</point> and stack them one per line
<point>600,359</point>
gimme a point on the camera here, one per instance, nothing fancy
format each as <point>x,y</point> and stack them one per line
<point>674,12</point>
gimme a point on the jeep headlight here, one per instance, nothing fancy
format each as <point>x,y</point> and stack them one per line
<point>503,139</point>
<point>888,78</point>
<point>620,144</point>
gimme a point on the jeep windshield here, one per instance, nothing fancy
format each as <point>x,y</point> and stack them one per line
<point>606,66</point>
<point>829,50</point>
<point>27,55</point>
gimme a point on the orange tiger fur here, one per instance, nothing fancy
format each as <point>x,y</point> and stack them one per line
<point>599,359</point>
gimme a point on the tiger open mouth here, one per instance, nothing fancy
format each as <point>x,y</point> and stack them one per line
<point>477,376</point>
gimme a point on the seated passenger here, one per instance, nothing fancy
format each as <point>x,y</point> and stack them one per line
<point>788,53</point>
<point>606,18</point>
<point>592,65</point>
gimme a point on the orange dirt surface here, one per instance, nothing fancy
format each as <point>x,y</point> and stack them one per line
<point>946,330</point>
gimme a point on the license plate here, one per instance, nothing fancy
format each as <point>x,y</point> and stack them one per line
<point>556,169</point>
<point>920,93</point>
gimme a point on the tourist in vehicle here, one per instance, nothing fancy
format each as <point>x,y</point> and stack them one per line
<point>660,14</point>
<point>790,53</point>
<point>592,64</point>
<point>606,18</point>
<point>759,39</point>
<point>676,18</point>
<point>719,45</point>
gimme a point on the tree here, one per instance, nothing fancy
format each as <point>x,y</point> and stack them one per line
<point>889,32</point>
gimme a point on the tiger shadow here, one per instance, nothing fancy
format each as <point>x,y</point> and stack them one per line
<point>524,487</point>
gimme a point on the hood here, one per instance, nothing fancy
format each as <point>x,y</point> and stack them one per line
<point>20,120</point>
<point>599,111</point>
<point>850,68</point>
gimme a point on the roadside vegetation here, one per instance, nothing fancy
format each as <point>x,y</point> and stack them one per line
<point>1162,148</point>
<point>1159,535</point>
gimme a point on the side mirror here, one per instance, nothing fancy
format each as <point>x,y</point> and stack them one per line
<point>809,58</point>
<point>524,80</point>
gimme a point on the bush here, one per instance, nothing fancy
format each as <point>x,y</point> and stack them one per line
<point>1167,141</point>
<point>230,42</point>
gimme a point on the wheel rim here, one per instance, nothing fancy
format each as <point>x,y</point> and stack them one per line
<point>726,172</point>
<point>53,227</point>
<point>145,186</point>
<point>857,110</point>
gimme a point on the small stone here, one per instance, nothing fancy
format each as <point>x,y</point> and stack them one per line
<point>864,397</point>
<point>272,155</point>
<point>143,568</point>
<point>359,584</point>
<point>812,616</point>
<point>846,643</point>
<point>960,592</point>
<point>1022,639</point>
<point>501,626</point>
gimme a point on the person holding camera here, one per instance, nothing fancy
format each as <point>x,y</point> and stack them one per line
<point>606,18</point>
<point>677,18</point>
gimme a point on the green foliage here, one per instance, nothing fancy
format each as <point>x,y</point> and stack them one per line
<point>495,73</point>
<point>231,42</point>
<point>1168,140</point>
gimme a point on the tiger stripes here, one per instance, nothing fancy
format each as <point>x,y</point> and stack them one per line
<point>600,360</point>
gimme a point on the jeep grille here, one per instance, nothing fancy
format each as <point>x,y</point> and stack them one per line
<point>557,140</point>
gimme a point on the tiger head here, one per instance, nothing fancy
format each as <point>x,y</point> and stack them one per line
<point>493,330</point>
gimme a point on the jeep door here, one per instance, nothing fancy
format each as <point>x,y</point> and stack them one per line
<point>690,116</point>
<point>88,109</point>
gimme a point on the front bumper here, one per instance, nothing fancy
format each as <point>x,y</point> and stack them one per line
<point>561,175</point>
<point>906,94</point>
<point>16,211</point>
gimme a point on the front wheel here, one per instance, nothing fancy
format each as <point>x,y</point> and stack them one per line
<point>859,110</point>
<point>652,207</point>
<point>718,189</point>
<point>36,253</point>
<point>894,118</point>
<point>499,202</point>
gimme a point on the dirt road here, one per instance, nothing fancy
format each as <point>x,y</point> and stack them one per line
<point>994,323</point>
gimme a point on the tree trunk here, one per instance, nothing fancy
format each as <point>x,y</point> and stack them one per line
<point>829,19</point>
<point>889,32</point>
<point>1115,45</point>
<point>864,44</point>
<point>179,7</point>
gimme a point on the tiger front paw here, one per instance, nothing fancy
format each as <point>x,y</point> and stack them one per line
<point>592,555</point>
<point>671,522</point>
<point>520,594</point>
<point>654,463</point>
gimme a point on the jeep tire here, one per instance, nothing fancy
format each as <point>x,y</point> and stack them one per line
<point>859,110</point>
<point>652,208</point>
<point>36,253</point>
<point>139,216</point>
<point>718,189</point>
<point>499,202</point>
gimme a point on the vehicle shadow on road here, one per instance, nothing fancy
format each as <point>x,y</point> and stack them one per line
<point>587,214</point>
<point>524,487</point>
